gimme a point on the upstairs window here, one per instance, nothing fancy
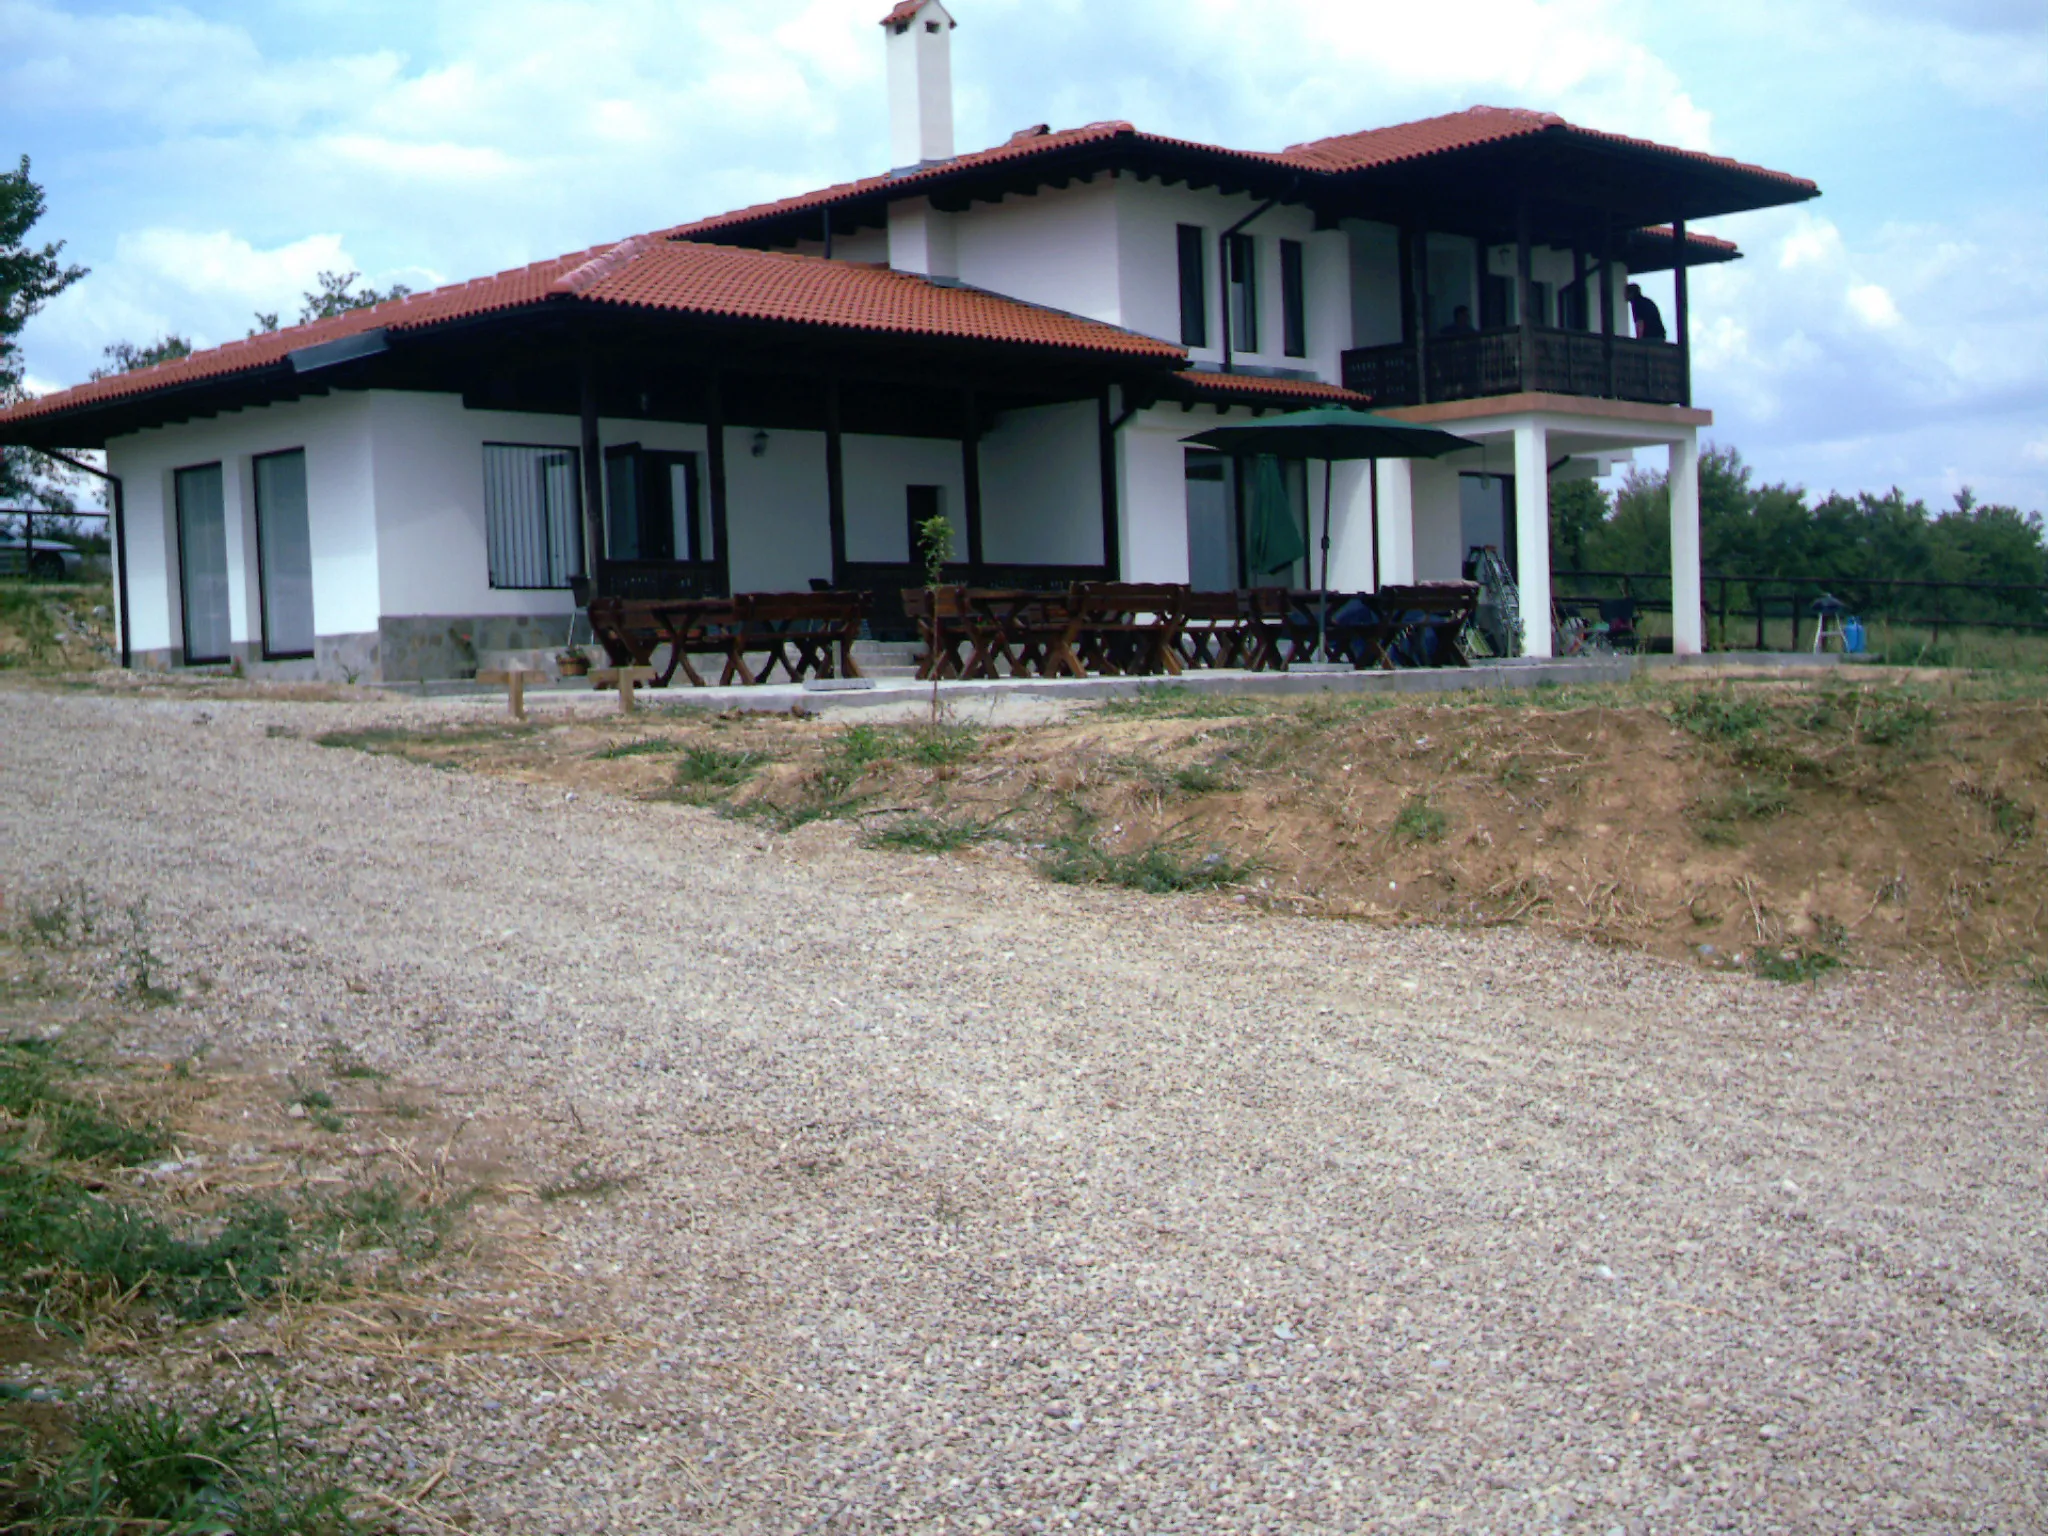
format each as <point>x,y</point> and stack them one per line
<point>533,515</point>
<point>1244,294</point>
<point>1293,300</point>
<point>1194,288</point>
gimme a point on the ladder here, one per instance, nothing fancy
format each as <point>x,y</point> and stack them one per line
<point>1499,619</point>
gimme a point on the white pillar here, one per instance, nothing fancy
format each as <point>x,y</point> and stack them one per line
<point>1532,535</point>
<point>1351,553</point>
<point>1688,622</point>
<point>1396,554</point>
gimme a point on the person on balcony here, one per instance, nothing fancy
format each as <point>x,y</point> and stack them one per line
<point>1643,310</point>
<point>1461,322</point>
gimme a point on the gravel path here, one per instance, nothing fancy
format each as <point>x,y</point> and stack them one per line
<point>965,1202</point>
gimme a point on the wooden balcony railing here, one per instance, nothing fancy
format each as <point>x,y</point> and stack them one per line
<point>1484,363</point>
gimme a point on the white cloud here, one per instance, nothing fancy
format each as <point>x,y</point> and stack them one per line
<point>1873,305</point>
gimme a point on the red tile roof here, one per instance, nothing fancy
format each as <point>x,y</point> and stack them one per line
<point>1256,388</point>
<point>905,9</point>
<point>1030,144</point>
<point>1474,126</point>
<point>680,279</point>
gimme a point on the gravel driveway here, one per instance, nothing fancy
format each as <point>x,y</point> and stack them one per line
<point>961,1201</point>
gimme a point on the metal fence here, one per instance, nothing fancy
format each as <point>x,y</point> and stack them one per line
<point>1742,608</point>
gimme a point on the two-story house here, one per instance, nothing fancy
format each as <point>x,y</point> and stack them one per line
<point>1019,338</point>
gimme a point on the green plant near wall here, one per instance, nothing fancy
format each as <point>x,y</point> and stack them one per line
<point>934,549</point>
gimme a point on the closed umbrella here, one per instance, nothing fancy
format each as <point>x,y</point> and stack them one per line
<point>1330,433</point>
<point>1273,542</point>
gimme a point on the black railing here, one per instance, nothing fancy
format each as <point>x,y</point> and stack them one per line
<point>1477,364</point>
<point>1738,608</point>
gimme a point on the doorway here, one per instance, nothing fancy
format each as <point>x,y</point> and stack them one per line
<point>202,563</point>
<point>652,509</point>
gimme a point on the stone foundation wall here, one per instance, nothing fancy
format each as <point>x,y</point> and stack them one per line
<point>402,650</point>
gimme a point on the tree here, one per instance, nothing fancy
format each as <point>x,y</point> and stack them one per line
<point>126,357</point>
<point>30,276</point>
<point>1577,508</point>
<point>338,295</point>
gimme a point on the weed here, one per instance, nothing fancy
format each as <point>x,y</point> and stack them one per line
<point>1800,963</point>
<point>1419,822</point>
<point>345,1064</point>
<point>384,1215</point>
<point>319,1107</point>
<point>1894,720</point>
<point>1202,779</point>
<point>69,1128</point>
<point>1163,865</point>
<point>1718,819</point>
<point>63,918</point>
<point>929,834</point>
<point>646,746</point>
<point>706,772</point>
<point>137,1467</point>
<point>1718,715</point>
<point>143,965</point>
<point>941,746</point>
<point>396,741</point>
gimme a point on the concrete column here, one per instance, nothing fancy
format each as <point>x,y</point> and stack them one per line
<point>1532,535</point>
<point>1152,499</point>
<point>1351,553</point>
<point>1688,623</point>
<point>1396,554</point>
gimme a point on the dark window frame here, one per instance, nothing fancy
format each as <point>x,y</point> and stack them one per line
<point>1293,299</point>
<point>262,590</point>
<point>1192,242</point>
<point>184,593</point>
<point>578,514</point>
<point>911,519</point>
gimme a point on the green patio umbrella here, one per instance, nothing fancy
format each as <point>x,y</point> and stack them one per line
<point>1273,541</point>
<point>1330,433</point>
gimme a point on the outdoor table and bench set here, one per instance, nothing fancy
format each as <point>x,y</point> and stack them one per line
<point>1088,629</point>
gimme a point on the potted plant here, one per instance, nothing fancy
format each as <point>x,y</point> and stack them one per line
<point>571,662</point>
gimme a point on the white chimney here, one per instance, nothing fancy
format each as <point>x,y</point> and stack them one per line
<point>918,34</point>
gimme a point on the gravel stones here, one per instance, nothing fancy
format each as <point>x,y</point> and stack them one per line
<point>938,1198</point>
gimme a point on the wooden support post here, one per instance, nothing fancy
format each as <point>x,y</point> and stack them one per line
<point>1607,300</point>
<point>714,464</point>
<point>623,679</point>
<point>1421,269</point>
<point>593,461</point>
<point>1105,438</point>
<point>1526,320</point>
<point>514,679</point>
<point>970,476</point>
<point>835,481</point>
<point>1680,318</point>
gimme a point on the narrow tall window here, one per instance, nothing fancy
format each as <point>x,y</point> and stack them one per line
<point>284,554</point>
<point>1293,300</point>
<point>533,509</point>
<point>1194,288</point>
<point>202,563</point>
<point>1244,295</point>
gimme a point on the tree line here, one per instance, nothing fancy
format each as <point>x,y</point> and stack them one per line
<point>1846,543</point>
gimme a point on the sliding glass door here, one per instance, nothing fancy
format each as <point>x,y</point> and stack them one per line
<point>284,552</point>
<point>203,563</point>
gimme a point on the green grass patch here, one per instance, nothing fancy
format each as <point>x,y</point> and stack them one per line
<point>137,1469</point>
<point>1720,715</point>
<point>1198,779</point>
<point>1720,818</point>
<point>704,774</point>
<point>1418,821</point>
<point>1159,867</point>
<point>931,834</point>
<point>1177,701</point>
<point>646,746</point>
<point>397,741</point>
<point>35,1092</point>
<point>1800,963</point>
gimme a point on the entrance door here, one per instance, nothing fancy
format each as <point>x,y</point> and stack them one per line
<point>1212,522</point>
<point>203,563</point>
<point>653,511</point>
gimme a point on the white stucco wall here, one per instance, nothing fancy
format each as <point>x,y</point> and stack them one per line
<point>1438,521</point>
<point>1152,494</point>
<point>1056,247</point>
<point>879,471</point>
<point>340,503</point>
<point>1041,486</point>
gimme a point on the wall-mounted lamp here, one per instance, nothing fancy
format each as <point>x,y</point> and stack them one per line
<point>760,444</point>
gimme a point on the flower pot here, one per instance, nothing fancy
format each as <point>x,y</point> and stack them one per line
<point>572,666</point>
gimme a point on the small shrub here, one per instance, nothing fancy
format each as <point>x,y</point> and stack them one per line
<point>1201,779</point>
<point>707,772</point>
<point>143,965</point>
<point>63,918</point>
<point>1894,720</point>
<point>1419,822</point>
<point>1800,963</point>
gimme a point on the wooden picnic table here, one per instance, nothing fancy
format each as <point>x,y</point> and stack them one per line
<point>806,634</point>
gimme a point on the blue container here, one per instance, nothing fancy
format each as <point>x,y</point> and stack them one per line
<point>1852,635</point>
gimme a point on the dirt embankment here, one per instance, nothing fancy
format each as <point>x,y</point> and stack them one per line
<point>1786,827</point>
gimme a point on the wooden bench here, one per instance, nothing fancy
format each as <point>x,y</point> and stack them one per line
<point>940,614</point>
<point>1433,617</point>
<point>1125,628</point>
<point>1215,629</point>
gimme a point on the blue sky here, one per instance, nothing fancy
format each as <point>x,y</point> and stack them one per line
<point>206,160</point>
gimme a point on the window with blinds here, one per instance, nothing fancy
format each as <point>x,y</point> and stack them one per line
<point>533,515</point>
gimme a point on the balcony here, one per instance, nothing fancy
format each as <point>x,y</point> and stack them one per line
<point>1478,364</point>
